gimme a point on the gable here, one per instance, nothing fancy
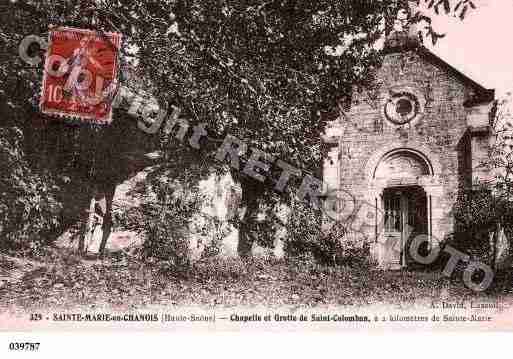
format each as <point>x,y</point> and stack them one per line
<point>481,94</point>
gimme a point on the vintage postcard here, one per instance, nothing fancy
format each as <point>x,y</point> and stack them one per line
<point>261,166</point>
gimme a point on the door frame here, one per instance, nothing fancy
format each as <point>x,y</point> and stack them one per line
<point>404,204</point>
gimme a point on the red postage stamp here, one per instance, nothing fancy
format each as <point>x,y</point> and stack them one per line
<point>80,74</point>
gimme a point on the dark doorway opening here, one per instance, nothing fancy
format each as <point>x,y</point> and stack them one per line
<point>405,217</point>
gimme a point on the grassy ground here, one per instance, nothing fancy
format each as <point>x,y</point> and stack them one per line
<point>64,280</point>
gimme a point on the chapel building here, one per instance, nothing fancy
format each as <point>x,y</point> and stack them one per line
<point>406,146</point>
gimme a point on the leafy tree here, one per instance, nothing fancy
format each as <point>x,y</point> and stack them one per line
<point>29,205</point>
<point>268,72</point>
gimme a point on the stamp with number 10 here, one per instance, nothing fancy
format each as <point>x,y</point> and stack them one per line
<point>80,74</point>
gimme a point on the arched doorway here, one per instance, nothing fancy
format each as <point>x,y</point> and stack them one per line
<point>404,202</point>
<point>402,164</point>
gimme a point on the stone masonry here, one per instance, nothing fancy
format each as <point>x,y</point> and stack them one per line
<point>422,121</point>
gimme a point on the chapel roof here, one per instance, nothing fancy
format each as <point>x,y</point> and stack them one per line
<point>401,41</point>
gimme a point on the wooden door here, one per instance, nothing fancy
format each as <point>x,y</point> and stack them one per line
<point>405,217</point>
<point>394,218</point>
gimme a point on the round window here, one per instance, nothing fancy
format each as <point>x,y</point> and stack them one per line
<point>401,108</point>
<point>404,107</point>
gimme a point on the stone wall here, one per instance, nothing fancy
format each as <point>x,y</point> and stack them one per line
<point>439,132</point>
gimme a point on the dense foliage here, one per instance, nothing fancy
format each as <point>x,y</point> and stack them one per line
<point>29,206</point>
<point>267,72</point>
<point>487,208</point>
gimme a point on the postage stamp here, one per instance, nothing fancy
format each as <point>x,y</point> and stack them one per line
<point>80,74</point>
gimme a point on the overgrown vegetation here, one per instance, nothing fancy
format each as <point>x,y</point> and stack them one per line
<point>121,282</point>
<point>29,205</point>
<point>257,70</point>
<point>484,213</point>
<point>328,243</point>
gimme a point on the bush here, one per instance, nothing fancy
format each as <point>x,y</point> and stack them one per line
<point>164,216</point>
<point>479,213</point>
<point>29,209</point>
<point>340,249</point>
<point>307,239</point>
<point>303,232</point>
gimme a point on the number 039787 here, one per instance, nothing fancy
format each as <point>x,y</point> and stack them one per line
<point>27,346</point>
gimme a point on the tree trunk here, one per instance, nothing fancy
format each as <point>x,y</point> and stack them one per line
<point>87,227</point>
<point>105,190</point>
<point>495,241</point>
<point>251,192</point>
<point>108,190</point>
